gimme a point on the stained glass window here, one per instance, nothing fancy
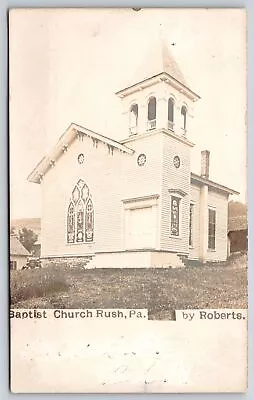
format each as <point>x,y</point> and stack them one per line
<point>175,206</point>
<point>80,222</point>
<point>71,224</point>
<point>75,195</point>
<point>80,215</point>
<point>89,221</point>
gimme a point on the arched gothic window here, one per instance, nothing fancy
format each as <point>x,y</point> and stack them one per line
<point>151,114</point>
<point>171,114</point>
<point>80,215</point>
<point>133,119</point>
<point>71,223</point>
<point>80,222</point>
<point>184,117</point>
<point>89,221</point>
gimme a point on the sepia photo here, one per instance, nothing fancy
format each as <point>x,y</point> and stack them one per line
<point>128,198</point>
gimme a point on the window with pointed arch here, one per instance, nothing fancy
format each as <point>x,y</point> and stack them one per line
<point>80,215</point>
<point>151,113</point>
<point>184,118</point>
<point>133,119</point>
<point>171,105</point>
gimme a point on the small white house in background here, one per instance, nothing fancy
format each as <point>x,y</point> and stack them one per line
<point>18,253</point>
<point>134,202</point>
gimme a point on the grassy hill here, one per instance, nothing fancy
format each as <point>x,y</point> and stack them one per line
<point>161,291</point>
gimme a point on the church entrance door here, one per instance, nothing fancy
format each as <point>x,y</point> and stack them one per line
<point>141,228</point>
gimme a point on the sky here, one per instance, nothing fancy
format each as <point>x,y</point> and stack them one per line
<point>67,64</point>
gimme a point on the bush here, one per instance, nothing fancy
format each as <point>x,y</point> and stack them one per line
<point>27,284</point>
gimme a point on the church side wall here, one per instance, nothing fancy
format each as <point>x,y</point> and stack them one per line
<point>195,199</point>
<point>219,202</point>
<point>100,171</point>
<point>111,179</point>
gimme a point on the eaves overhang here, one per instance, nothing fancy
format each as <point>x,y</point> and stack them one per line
<point>73,132</point>
<point>200,181</point>
<point>161,77</point>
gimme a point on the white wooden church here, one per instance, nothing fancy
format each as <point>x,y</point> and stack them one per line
<point>135,202</point>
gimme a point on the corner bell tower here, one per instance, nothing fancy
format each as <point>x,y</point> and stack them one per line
<point>160,101</point>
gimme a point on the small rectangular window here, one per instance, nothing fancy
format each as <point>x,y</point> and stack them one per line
<point>211,228</point>
<point>191,225</point>
<point>175,216</point>
<point>13,264</point>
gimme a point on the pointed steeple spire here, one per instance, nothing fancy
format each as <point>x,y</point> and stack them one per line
<point>169,65</point>
<point>158,64</point>
<point>159,59</point>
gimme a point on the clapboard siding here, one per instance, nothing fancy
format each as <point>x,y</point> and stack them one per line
<point>145,180</point>
<point>100,172</point>
<point>111,179</point>
<point>220,203</point>
<point>115,178</point>
<point>175,178</point>
<point>195,198</point>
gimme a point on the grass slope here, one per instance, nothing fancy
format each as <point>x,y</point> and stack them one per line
<point>161,291</point>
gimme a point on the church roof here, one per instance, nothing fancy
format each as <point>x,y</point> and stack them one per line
<point>17,248</point>
<point>158,63</point>
<point>68,137</point>
<point>159,59</point>
<point>199,180</point>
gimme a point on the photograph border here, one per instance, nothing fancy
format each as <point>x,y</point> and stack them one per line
<point>4,209</point>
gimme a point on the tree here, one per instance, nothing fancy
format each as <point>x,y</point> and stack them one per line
<point>236,208</point>
<point>28,238</point>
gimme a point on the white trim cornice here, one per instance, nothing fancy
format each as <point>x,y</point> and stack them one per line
<point>161,77</point>
<point>72,133</point>
<point>178,192</point>
<point>179,138</point>
<point>200,181</point>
